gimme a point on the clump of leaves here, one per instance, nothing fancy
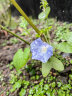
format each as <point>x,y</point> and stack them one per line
<point>64,36</point>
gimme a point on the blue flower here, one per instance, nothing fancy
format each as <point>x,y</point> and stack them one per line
<point>41,50</point>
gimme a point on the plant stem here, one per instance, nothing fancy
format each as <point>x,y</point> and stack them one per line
<point>25,16</point>
<point>48,34</point>
<point>14,34</point>
<point>48,37</point>
<point>45,37</point>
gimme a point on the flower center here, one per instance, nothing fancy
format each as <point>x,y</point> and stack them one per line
<point>44,49</point>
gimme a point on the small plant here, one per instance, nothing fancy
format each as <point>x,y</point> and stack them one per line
<point>43,51</point>
<point>39,48</point>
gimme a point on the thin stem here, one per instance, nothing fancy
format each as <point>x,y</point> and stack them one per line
<point>45,37</point>
<point>25,16</point>
<point>14,34</point>
<point>48,34</point>
<point>9,14</point>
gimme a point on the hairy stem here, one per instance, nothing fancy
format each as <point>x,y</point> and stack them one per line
<point>14,34</point>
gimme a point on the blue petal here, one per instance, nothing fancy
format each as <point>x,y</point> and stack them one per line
<point>36,44</point>
<point>38,54</point>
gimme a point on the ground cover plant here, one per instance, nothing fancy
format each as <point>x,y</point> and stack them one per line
<point>42,55</point>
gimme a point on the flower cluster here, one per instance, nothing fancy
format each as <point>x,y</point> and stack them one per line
<point>41,50</point>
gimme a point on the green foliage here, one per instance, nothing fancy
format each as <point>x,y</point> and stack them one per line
<point>64,35</point>
<point>66,87</point>
<point>12,24</point>
<point>13,79</point>
<point>64,47</point>
<point>41,89</point>
<point>21,58</point>
<point>71,61</point>
<point>44,15</point>
<point>17,85</point>
<point>24,25</point>
<point>46,10</point>
<point>46,67</point>
<point>13,40</point>
<point>59,84</point>
<point>56,64</point>
<point>22,92</point>
<point>68,37</point>
<point>45,30</point>
<point>47,86</point>
<point>62,31</point>
<point>70,76</point>
<point>52,63</point>
<point>44,4</point>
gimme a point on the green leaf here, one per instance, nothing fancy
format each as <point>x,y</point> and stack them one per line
<point>56,64</point>
<point>45,30</point>
<point>46,67</point>
<point>64,47</point>
<point>21,58</point>
<point>17,85</point>
<point>44,15</point>
<point>68,36</point>
<point>22,92</point>
<point>52,63</point>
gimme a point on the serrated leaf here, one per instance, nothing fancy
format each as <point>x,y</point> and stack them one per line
<point>21,58</point>
<point>46,67</point>
<point>44,15</point>
<point>64,47</point>
<point>56,64</point>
